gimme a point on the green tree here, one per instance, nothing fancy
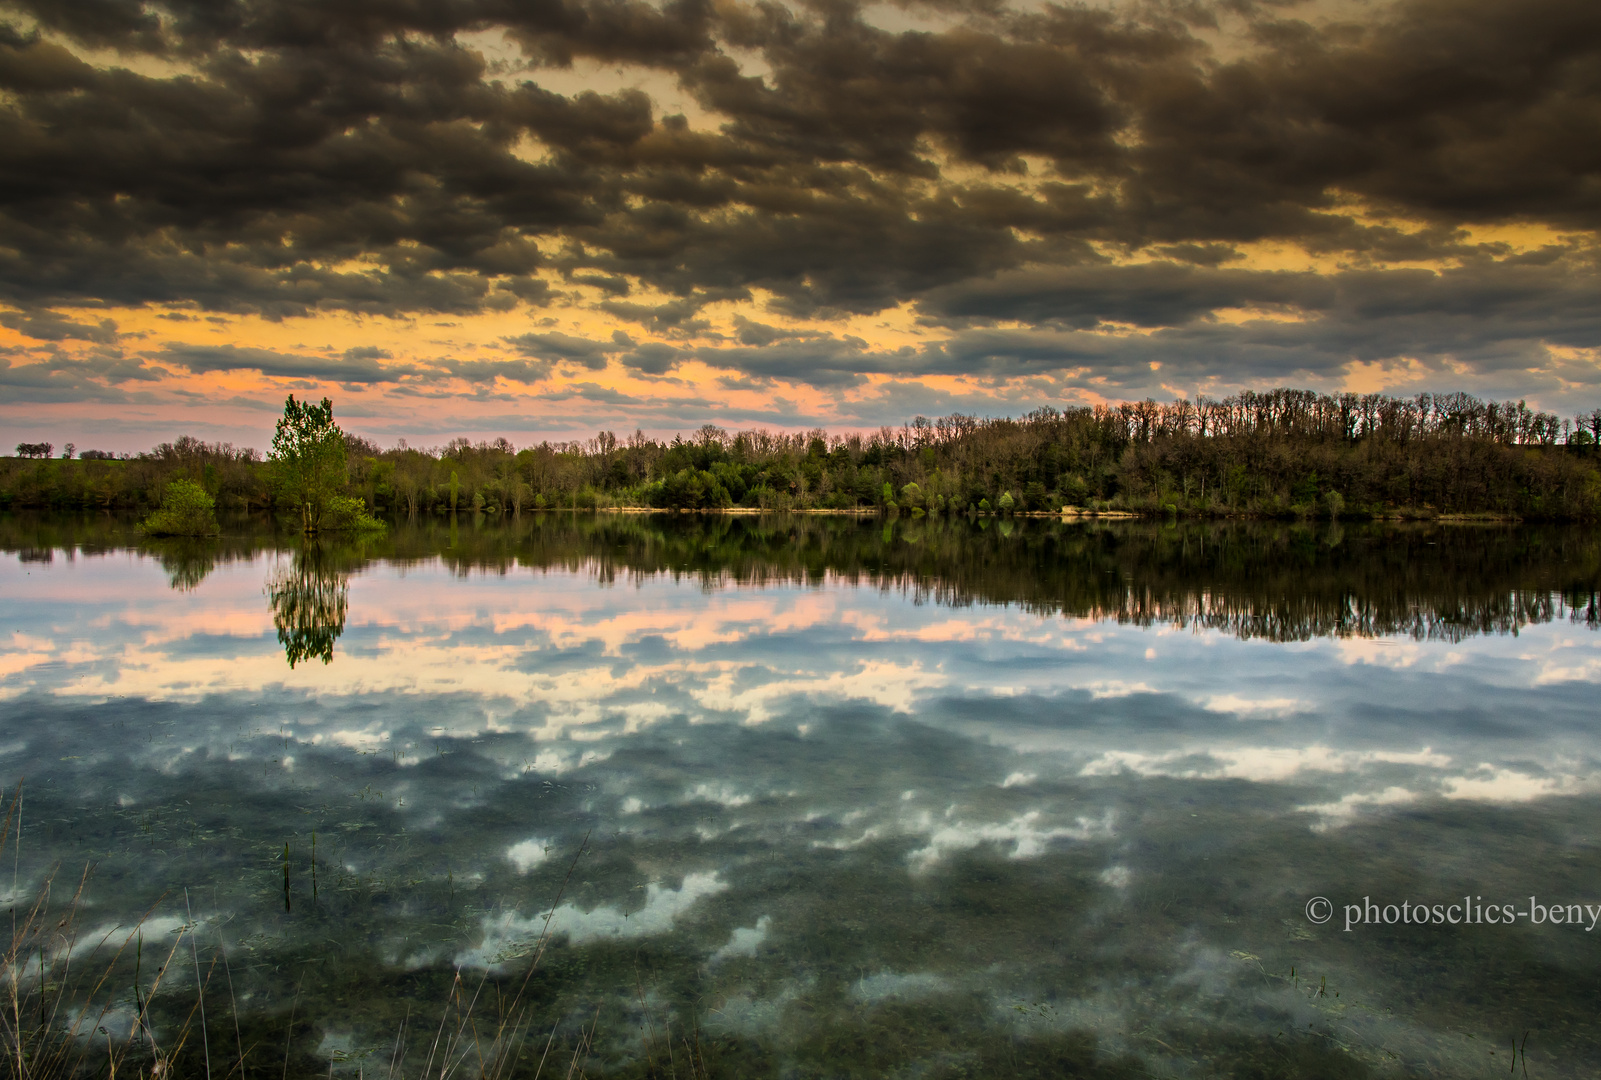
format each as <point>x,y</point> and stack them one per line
<point>186,510</point>
<point>308,458</point>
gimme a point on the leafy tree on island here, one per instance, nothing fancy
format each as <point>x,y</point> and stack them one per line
<point>308,459</point>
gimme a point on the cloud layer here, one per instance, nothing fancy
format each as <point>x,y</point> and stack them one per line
<point>843,211</point>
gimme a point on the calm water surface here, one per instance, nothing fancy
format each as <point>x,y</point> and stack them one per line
<point>931,799</point>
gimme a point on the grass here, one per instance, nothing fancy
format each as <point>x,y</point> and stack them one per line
<point>54,1002</point>
<point>65,1007</point>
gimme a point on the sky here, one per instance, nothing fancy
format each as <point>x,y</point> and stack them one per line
<point>542,218</point>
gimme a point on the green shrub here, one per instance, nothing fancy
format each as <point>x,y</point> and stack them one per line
<point>186,510</point>
<point>345,514</point>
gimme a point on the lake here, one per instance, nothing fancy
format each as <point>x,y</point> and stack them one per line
<point>630,795</point>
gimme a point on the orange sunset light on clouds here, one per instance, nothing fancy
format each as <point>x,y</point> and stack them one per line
<point>536,220</point>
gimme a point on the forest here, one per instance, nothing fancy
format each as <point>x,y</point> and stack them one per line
<point>1275,454</point>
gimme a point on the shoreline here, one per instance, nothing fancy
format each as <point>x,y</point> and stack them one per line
<point>1066,514</point>
<point>1069,514</point>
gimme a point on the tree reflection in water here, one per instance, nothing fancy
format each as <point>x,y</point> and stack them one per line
<point>187,560</point>
<point>1265,580</point>
<point>308,600</point>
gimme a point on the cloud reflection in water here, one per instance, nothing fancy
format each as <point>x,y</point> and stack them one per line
<point>809,796</point>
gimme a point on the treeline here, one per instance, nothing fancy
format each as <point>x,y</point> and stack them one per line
<point>102,481</point>
<point>1278,581</point>
<point>1283,453</point>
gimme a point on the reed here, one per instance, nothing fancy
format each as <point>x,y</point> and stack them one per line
<point>65,1012</point>
<point>58,996</point>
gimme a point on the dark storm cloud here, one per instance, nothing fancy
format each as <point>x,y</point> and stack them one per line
<point>588,391</point>
<point>353,156</point>
<point>101,375</point>
<point>356,366</point>
<point>625,30</point>
<point>1505,297</point>
<point>50,326</point>
<point>1154,294</point>
<point>483,373</point>
<point>751,332</point>
<point>557,346</point>
<point>846,92</point>
<point>1488,321</point>
<point>824,361</point>
<point>662,318</point>
<point>652,358</point>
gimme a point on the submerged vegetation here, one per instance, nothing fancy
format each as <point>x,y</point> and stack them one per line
<point>1284,453</point>
<point>264,987</point>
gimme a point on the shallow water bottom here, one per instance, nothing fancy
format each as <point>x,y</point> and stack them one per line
<point>566,817</point>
